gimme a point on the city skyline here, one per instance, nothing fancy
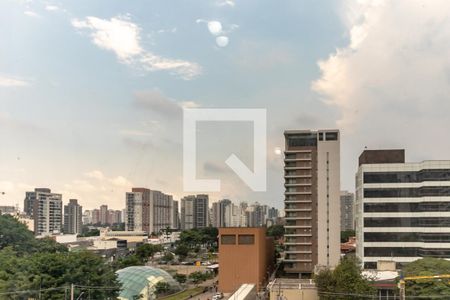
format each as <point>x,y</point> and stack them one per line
<point>103,113</point>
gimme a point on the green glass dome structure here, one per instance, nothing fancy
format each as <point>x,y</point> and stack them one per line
<point>141,280</point>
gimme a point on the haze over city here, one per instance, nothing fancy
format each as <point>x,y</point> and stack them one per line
<point>95,107</point>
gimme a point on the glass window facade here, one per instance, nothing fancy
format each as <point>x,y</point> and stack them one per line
<point>429,191</point>
<point>393,177</point>
<point>407,222</point>
<point>432,237</point>
<point>405,252</point>
<point>406,207</point>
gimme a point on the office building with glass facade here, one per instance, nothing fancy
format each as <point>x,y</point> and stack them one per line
<point>402,209</point>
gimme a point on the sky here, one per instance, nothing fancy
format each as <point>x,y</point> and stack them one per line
<point>92,91</point>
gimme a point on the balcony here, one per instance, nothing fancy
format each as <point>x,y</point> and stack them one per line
<point>297,260</point>
<point>298,226</point>
<point>297,218</point>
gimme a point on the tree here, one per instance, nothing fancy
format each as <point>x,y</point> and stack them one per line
<point>86,231</point>
<point>345,279</point>
<point>181,278</point>
<point>346,234</point>
<point>51,272</point>
<point>277,231</point>
<point>168,256</point>
<point>127,261</point>
<point>427,267</point>
<point>29,264</point>
<point>197,277</point>
<point>16,235</point>
<point>182,251</point>
<point>162,287</point>
<point>147,250</point>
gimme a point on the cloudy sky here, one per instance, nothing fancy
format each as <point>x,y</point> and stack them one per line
<point>92,92</point>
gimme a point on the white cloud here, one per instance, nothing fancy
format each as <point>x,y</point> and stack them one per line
<point>123,37</point>
<point>51,7</point>
<point>157,102</point>
<point>397,55</point>
<point>95,188</point>
<point>31,13</point>
<point>226,3</point>
<point>391,83</point>
<point>96,174</point>
<point>9,81</point>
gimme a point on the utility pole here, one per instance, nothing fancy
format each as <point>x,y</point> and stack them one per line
<point>72,291</point>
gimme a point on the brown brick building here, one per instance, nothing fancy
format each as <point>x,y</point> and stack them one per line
<point>246,255</point>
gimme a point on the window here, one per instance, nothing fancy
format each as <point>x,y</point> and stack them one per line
<point>331,136</point>
<point>228,239</point>
<point>407,222</point>
<point>392,177</point>
<point>246,239</point>
<point>429,191</point>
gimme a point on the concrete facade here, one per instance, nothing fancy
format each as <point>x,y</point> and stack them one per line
<point>246,256</point>
<point>402,209</point>
<point>312,204</point>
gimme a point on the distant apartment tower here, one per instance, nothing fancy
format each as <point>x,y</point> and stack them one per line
<point>95,216</point>
<point>30,197</point>
<point>87,217</point>
<point>47,211</point>
<point>347,220</point>
<point>104,214</point>
<point>175,215</point>
<point>73,213</point>
<point>312,205</point>
<point>194,211</point>
<point>402,209</point>
<point>148,210</point>
<point>233,216</point>
<point>218,213</point>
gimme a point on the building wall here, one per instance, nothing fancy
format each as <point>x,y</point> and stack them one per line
<point>402,211</point>
<point>47,213</point>
<point>243,263</point>
<point>73,217</point>
<point>328,211</point>
<point>312,204</point>
<point>148,210</point>
<point>347,211</point>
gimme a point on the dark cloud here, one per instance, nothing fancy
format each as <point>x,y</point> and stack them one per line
<point>158,103</point>
<point>214,167</point>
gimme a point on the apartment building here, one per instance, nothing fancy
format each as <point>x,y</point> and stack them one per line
<point>47,211</point>
<point>312,204</point>
<point>194,212</point>
<point>402,208</point>
<point>347,220</point>
<point>148,210</point>
<point>73,213</point>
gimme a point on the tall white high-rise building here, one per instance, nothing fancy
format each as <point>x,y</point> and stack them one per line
<point>47,212</point>
<point>312,204</point>
<point>402,209</point>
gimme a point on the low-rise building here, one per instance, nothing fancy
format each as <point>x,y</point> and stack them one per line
<point>246,256</point>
